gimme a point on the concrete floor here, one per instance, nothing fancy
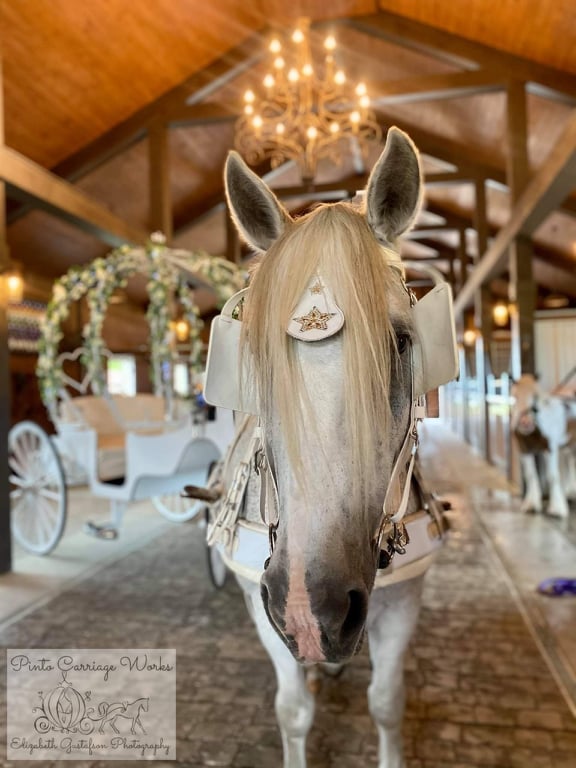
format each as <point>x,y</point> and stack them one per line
<point>491,672</point>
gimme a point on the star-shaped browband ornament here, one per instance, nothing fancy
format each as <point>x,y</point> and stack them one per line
<point>314,320</point>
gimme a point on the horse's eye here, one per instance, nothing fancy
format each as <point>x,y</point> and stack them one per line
<point>402,340</point>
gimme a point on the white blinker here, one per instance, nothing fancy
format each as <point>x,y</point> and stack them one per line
<point>316,316</point>
<point>226,386</point>
<point>435,348</point>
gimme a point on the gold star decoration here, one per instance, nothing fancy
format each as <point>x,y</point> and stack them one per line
<point>317,287</point>
<point>314,320</point>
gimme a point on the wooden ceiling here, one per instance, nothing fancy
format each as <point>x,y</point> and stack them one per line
<point>87,83</point>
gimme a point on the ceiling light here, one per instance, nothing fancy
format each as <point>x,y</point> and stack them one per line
<point>308,111</point>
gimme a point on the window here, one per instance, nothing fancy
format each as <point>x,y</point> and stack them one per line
<point>121,375</point>
<point>181,379</point>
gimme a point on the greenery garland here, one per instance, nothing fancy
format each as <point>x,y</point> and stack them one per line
<point>98,281</point>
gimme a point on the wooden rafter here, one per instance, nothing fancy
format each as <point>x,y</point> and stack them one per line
<point>160,214</point>
<point>546,190</point>
<point>465,53</point>
<point>456,220</point>
<point>54,195</point>
<point>434,87</point>
<point>194,89</point>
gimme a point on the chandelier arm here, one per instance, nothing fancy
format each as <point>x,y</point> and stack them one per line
<point>306,112</point>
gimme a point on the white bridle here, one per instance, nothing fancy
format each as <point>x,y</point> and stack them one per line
<point>434,361</point>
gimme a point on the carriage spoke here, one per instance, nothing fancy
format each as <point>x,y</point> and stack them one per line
<point>20,503</point>
<point>15,480</point>
<point>16,465</point>
<point>38,490</point>
<point>19,452</point>
<point>47,493</point>
<point>45,518</point>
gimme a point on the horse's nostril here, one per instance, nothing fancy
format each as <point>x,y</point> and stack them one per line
<point>357,605</point>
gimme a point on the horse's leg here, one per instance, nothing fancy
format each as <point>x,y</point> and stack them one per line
<point>112,724</point>
<point>557,504</point>
<point>294,703</point>
<point>569,473</point>
<point>532,500</point>
<point>392,618</point>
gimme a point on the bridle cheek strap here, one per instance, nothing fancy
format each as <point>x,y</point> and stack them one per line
<point>393,511</point>
<point>266,470</point>
<point>397,496</point>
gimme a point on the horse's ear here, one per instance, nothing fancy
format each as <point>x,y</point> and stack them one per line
<point>257,213</point>
<point>394,188</point>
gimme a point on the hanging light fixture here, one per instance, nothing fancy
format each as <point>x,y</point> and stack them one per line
<point>308,111</point>
<point>500,314</point>
<point>14,283</point>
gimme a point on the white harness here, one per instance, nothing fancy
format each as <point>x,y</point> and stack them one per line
<point>246,546</point>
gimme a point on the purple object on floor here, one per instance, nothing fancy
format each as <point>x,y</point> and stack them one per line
<point>557,587</point>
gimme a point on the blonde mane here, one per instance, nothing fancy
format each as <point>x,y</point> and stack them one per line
<point>336,242</point>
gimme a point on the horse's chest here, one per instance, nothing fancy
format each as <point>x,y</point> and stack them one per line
<point>531,442</point>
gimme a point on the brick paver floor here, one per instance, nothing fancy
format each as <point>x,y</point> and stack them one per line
<point>479,692</point>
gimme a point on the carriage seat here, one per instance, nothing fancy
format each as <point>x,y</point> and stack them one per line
<point>111,417</point>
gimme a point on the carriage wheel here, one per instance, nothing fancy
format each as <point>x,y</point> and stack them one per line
<point>177,508</point>
<point>37,489</point>
<point>216,566</point>
<point>217,570</point>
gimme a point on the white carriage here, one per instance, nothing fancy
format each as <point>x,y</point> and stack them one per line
<point>126,448</point>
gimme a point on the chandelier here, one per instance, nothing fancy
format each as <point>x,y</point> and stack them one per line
<point>307,112</point>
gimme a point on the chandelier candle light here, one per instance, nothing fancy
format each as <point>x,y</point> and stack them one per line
<point>307,112</point>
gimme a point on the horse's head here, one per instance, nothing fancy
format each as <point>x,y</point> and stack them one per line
<point>335,411</point>
<point>526,392</point>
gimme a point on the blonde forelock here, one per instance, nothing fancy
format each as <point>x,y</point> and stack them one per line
<point>336,242</point>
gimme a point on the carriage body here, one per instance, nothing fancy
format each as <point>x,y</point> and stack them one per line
<point>125,448</point>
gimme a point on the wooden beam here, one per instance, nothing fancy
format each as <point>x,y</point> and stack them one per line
<point>517,166</point>
<point>555,258</point>
<point>464,53</point>
<point>447,178</point>
<point>343,188</point>
<point>435,245</point>
<point>191,115</point>
<point>428,229</point>
<point>452,85</point>
<point>160,214</point>
<point>5,535</point>
<point>522,291</point>
<point>56,196</point>
<point>462,255</point>
<point>193,89</point>
<point>483,317</point>
<point>549,186</point>
<point>196,211</point>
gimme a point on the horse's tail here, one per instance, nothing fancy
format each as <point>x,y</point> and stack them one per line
<point>103,708</point>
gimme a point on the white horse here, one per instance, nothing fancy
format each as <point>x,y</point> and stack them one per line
<point>543,423</point>
<point>321,486</point>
